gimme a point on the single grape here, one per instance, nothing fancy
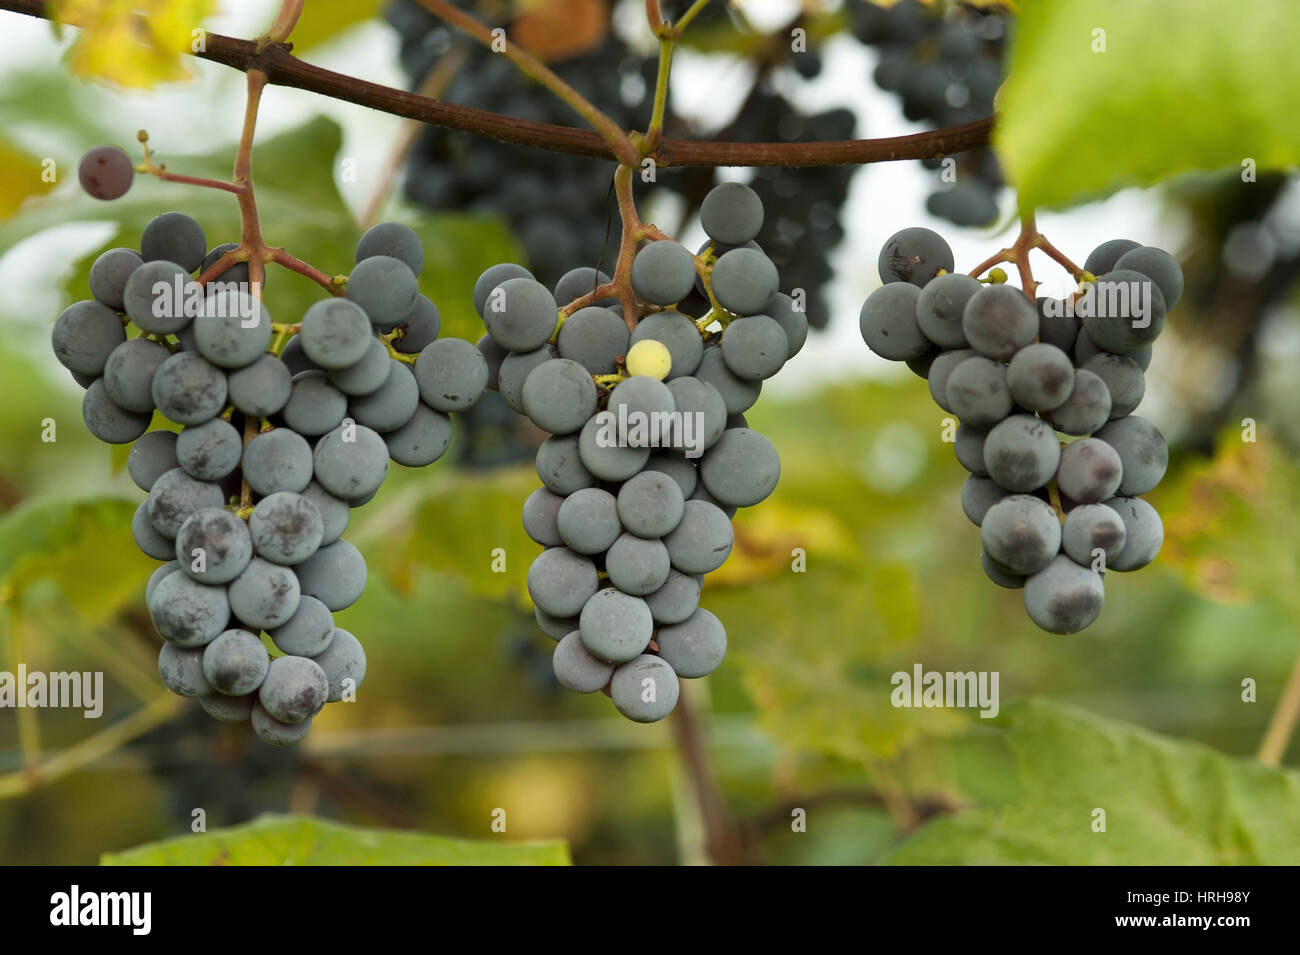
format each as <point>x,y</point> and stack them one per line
<point>793,321</point>
<point>84,337</point>
<point>600,455</point>
<point>914,255</point>
<point>695,647</point>
<point>942,369</point>
<point>228,709</point>
<point>188,389</point>
<point>940,306</point>
<point>106,172</point>
<point>209,451</point>
<point>491,278</point>
<point>1063,597</point>
<point>156,577</point>
<point>174,237</point>
<point>595,338</point>
<point>278,460</point>
<point>1159,266</point>
<point>308,632</point>
<point>1021,533</point>
<point>108,276</point>
<point>1092,527</point>
<point>675,332</point>
<point>520,314</point>
<point>294,689</point>
<point>384,287</point>
<point>175,496</point>
<point>683,472</point>
<point>1040,377</point>
<point>738,394</point>
<point>1021,453</point>
<point>108,421</point>
<point>334,513</point>
<point>644,689</point>
<point>213,546</point>
<point>344,663</point>
<point>351,462</point>
<point>754,347</point>
<point>395,240</point>
<point>392,405</point>
<point>335,575</point>
<point>557,628</point>
<point>703,415</point>
<point>560,581</point>
<point>295,358</point>
<point>265,595</point>
<point>1087,408</point>
<point>315,406</point>
<point>576,283</point>
<point>676,600</point>
<point>564,470</point>
<point>560,396</point>
<point>336,333</point>
<point>652,359</point>
<point>636,565</point>
<point>1103,258</point>
<point>419,328</point>
<point>146,537</point>
<point>615,626</point>
<point>188,613</point>
<point>978,494</point>
<point>1055,327</point>
<point>650,504</point>
<point>262,388</point>
<point>181,670</point>
<point>451,375</point>
<point>888,322</point>
<point>272,731</point>
<point>744,281</point>
<point>998,321</point>
<point>732,213</point>
<point>152,456</point>
<point>1123,311</point>
<point>515,370</point>
<point>663,272</point>
<point>576,668</point>
<point>1124,380</point>
<point>1089,472</point>
<point>420,441</point>
<point>156,297</point>
<point>366,375</point>
<point>642,407</point>
<point>586,521</point>
<point>285,528</point>
<point>1142,449</point>
<point>742,468</point>
<point>702,539</point>
<point>999,574</point>
<point>233,329</point>
<point>1144,533</point>
<point>968,445</point>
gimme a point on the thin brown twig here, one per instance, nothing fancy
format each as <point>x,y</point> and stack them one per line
<point>1282,724</point>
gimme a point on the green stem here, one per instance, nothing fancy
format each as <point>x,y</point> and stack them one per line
<point>684,21</point>
<point>651,141</point>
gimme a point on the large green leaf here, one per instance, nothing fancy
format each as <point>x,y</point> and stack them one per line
<point>1182,85</point>
<point>83,545</point>
<point>323,20</point>
<point>1167,802</point>
<point>303,840</point>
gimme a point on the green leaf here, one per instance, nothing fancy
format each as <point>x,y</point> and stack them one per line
<point>1182,85</point>
<point>1167,802</point>
<point>323,20</point>
<point>304,840</point>
<point>85,546</point>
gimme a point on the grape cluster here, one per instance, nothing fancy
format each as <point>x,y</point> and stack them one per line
<point>649,454</point>
<point>248,502</point>
<point>1015,376</point>
<point>945,70</point>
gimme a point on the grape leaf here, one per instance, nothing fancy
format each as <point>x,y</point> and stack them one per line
<point>83,545</point>
<point>1166,801</point>
<point>323,20</point>
<point>303,840</point>
<point>132,43</point>
<point>1181,85</point>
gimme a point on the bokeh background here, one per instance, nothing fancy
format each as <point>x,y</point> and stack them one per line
<point>1142,715</point>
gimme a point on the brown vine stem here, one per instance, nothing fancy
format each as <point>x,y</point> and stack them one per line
<point>722,836</point>
<point>1282,724</point>
<point>283,69</point>
<point>284,23</point>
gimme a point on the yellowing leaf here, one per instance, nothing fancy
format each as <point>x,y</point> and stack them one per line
<point>323,20</point>
<point>136,43</point>
<point>20,177</point>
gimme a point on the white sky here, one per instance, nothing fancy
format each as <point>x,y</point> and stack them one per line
<point>884,198</point>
